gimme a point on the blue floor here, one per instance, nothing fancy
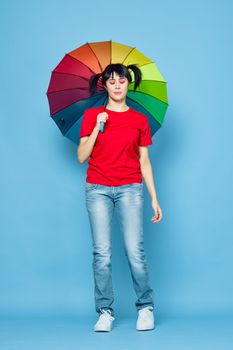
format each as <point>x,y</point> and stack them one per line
<point>68,333</point>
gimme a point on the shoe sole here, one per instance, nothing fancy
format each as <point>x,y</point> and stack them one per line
<point>145,329</point>
<point>102,329</point>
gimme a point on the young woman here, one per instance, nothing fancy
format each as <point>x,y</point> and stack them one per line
<point>118,161</point>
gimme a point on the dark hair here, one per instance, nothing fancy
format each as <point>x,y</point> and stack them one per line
<point>121,70</point>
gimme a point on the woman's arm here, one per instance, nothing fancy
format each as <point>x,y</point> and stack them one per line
<point>147,174</point>
<point>86,145</point>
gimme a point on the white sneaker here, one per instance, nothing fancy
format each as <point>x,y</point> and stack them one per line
<point>104,323</point>
<point>145,319</point>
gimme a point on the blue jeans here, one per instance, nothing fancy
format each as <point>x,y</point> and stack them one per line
<point>128,201</point>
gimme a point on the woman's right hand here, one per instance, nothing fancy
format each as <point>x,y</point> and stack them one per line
<point>101,117</point>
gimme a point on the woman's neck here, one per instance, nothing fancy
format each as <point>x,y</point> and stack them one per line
<point>118,107</point>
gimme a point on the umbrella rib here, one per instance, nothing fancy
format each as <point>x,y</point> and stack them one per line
<point>144,93</point>
<point>75,75</point>
<point>138,50</point>
<point>156,81</point>
<point>146,64</point>
<point>85,89</point>
<point>96,58</point>
<point>139,104</point>
<point>128,54</point>
<point>76,59</point>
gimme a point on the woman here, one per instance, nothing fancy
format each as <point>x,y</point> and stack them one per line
<point>118,160</point>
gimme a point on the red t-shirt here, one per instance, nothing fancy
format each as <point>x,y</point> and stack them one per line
<point>114,159</point>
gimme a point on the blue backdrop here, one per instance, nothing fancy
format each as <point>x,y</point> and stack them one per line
<point>45,248</point>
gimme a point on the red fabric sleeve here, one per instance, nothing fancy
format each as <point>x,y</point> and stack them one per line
<point>87,124</point>
<point>145,138</point>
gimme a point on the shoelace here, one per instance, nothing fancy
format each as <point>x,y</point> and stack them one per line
<point>105,312</point>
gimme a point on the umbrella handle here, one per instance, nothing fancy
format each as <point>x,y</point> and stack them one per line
<point>102,123</point>
<point>101,126</point>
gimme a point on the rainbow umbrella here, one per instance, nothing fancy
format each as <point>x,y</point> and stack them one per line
<point>68,93</point>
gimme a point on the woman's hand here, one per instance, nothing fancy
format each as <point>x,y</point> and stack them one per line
<point>101,117</point>
<point>158,211</point>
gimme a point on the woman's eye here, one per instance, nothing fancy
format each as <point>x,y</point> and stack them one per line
<point>112,81</point>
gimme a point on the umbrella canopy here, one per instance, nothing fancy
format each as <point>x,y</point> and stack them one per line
<point>68,94</point>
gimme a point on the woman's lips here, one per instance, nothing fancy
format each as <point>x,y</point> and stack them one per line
<point>117,92</point>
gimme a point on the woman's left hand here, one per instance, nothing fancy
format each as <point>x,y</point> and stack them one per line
<point>158,211</point>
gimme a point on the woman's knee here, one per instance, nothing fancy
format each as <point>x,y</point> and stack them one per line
<point>103,254</point>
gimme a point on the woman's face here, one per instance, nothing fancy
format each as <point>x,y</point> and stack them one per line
<point>117,87</point>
